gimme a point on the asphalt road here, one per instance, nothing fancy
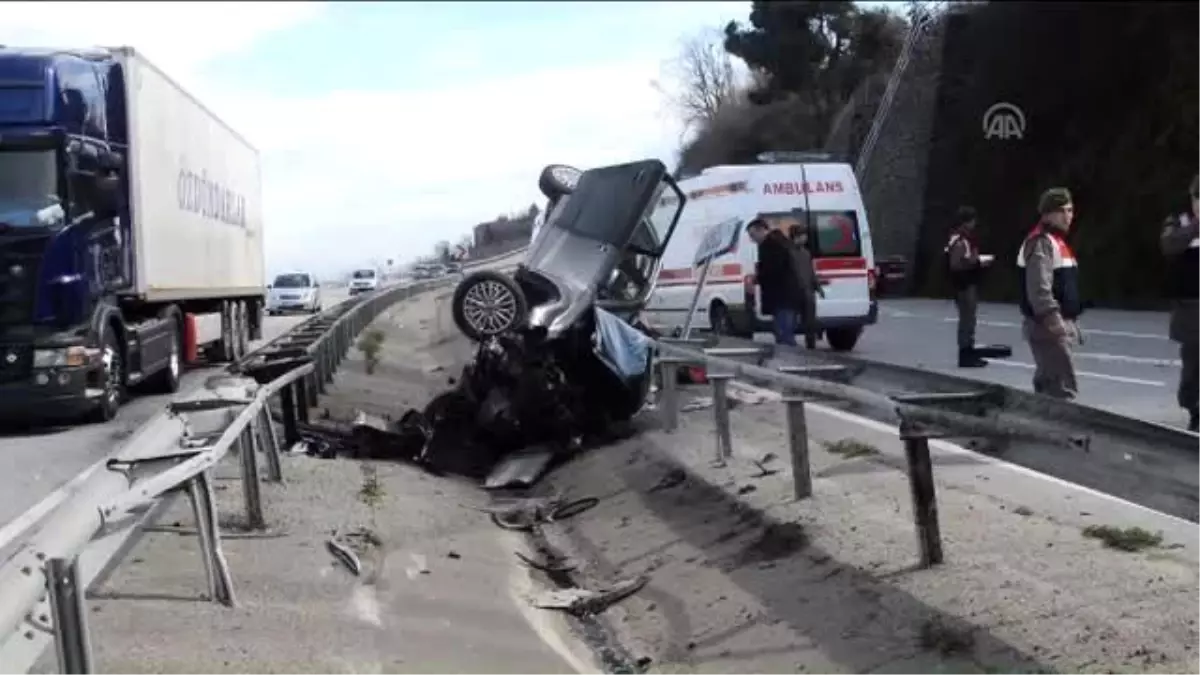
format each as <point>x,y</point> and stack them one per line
<point>35,463</point>
<point>1126,364</point>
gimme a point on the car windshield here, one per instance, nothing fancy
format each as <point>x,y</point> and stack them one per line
<point>291,281</point>
<point>29,189</point>
<point>364,274</point>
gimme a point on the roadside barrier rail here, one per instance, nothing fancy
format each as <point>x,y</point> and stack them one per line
<point>41,589</point>
<point>977,411</point>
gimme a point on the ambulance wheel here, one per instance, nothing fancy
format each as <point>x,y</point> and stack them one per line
<point>723,323</point>
<point>558,180</point>
<point>488,303</point>
<point>842,339</point>
<point>719,320</point>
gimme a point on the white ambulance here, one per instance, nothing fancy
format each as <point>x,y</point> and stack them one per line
<point>810,191</point>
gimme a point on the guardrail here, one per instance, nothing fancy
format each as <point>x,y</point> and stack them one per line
<point>967,412</point>
<point>41,584</point>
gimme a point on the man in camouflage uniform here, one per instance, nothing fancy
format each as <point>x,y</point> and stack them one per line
<point>1050,296</point>
<point>1180,241</point>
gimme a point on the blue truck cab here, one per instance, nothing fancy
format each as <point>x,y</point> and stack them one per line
<point>74,335</point>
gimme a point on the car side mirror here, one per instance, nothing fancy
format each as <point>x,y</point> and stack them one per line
<point>270,286</point>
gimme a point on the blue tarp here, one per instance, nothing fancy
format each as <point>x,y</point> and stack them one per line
<point>623,348</point>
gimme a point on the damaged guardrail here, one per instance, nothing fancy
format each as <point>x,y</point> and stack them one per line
<point>922,416</point>
<point>41,584</point>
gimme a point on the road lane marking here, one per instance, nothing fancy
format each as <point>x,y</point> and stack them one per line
<point>901,314</point>
<point>1085,373</point>
<point>1140,360</point>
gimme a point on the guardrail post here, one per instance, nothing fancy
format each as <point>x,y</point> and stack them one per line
<point>327,357</point>
<point>924,494</point>
<point>302,400</point>
<point>668,369</point>
<point>69,615</point>
<point>220,583</point>
<point>720,394</point>
<point>250,486</point>
<point>313,390</point>
<point>797,428</point>
<point>287,401</point>
<point>264,429</point>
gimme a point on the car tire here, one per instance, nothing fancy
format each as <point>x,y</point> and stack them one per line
<point>553,183</point>
<point>842,339</point>
<point>504,305</point>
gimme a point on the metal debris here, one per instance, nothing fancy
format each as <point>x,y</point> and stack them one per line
<point>552,563</point>
<point>581,601</point>
<point>702,403</point>
<point>522,515</point>
<point>345,556</point>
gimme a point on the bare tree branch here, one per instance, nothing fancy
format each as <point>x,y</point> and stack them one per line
<point>701,79</point>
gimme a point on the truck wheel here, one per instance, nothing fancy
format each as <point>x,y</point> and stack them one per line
<point>488,303</point>
<point>842,339</point>
<point>241,330</point>
<point>228,343</point>
<point>167,380</point>
<point>114,379</point>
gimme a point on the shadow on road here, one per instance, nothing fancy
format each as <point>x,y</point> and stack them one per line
<point>854,617</point>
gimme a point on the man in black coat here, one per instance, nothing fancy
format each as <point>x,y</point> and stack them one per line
<point>786,289</point>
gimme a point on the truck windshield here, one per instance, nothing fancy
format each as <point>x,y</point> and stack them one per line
<point>292,281</point>
<point>364,274</point>
<point>29,188</point>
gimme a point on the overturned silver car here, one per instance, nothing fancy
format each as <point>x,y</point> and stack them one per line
<point>561,353</point>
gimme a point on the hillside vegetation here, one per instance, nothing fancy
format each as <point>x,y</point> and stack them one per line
<point>1109,93</point>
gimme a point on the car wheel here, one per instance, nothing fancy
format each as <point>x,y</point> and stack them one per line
<point>842,339</point>
<point>488,303</point>
<point>558,180</point>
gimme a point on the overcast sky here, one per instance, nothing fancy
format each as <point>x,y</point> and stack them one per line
<point>386,127</point>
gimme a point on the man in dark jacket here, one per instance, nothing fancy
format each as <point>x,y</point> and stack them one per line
<point>966,270</point>
<point>1181,245</point>
<point>781,283</point>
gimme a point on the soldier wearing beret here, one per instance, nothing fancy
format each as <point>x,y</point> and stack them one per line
<point>1050,296</point>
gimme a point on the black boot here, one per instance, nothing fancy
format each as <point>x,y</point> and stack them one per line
<point>968,359</point>
<point>1194,420</point>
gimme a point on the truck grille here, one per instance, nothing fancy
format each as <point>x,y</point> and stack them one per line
<point>16,362</point>
<point>20,265</point>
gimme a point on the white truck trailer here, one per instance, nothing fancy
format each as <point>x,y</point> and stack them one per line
<point>130,232</point>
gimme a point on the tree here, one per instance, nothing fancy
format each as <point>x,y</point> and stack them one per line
<point>817,51</point>
<point>701,79</point>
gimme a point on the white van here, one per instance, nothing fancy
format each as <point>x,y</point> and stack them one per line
<point>820,195</point>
